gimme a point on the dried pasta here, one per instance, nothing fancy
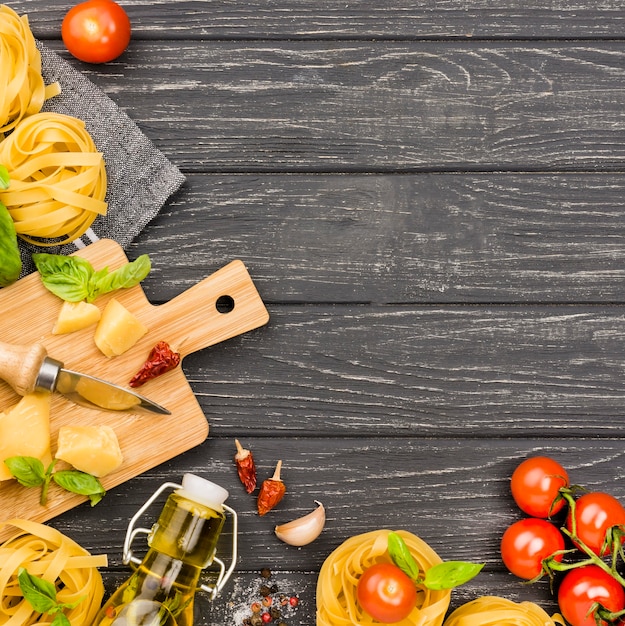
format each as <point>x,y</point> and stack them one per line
<point>57,178</point>
<point>495,611</point>
<point>339,575</point>
<point>22,89</point>
<point>48,554</point>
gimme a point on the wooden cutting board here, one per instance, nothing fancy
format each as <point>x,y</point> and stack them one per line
<point>219,307</point>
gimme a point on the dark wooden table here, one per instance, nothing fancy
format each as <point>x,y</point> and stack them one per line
<point>429,196</point>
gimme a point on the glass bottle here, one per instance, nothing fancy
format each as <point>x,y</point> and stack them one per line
<point>181,543</point>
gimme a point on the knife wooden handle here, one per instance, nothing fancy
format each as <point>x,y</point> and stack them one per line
<point>20,365</point>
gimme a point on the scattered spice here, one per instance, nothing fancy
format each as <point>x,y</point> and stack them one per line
<point>160,360</point>
<point>271,492</point>
<point>246,468</point>
<point>272,607</point>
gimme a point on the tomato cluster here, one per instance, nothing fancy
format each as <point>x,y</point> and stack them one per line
<point>577,535</point>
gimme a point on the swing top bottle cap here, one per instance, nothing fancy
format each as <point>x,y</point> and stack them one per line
<point>203,491</point>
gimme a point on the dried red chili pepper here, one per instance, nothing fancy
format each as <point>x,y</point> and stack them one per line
<point>271,492</point>
<point>160,360</point>
<point>246,467</point>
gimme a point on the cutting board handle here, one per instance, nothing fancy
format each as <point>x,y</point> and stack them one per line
<point>222,306</point>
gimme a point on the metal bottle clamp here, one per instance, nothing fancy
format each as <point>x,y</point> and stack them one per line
<point>132,532</point>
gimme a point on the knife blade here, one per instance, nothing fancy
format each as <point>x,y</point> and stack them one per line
<point>29,368</point>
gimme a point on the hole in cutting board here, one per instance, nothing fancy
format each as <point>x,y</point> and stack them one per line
<point>225,304</point>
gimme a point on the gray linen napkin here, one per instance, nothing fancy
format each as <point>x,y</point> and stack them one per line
<point>140,177</point>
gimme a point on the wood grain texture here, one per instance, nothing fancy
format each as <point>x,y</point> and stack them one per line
<point>397,238</point>
<point>401,371</point>
<point>280,19</point>
<point>454,496</point>
<point>375,106</point>
<point>429,198</point>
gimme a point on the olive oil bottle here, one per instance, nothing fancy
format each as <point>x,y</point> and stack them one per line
<point>183,542</point>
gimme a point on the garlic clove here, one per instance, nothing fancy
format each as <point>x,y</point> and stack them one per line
<point>303,530</point>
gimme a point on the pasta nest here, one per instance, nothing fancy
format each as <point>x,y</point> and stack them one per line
<point>57,178</point>
<point>338,580</point>
<point>21,84</point>
<point>495,611</point>
<point>50,555</point>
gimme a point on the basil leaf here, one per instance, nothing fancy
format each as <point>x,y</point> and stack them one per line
<point>73,279</point>
<point>450,574</point>
<point>60,619</point>
<point>10,257</point>
<point>28,470</point>
<point>126,276</point>
<point>5,179</point>
<point>81,483</point>
<point>400,555</point>
<point>39,593</point>
<point>67,277</point>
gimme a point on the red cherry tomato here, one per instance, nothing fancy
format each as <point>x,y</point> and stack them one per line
<point>96,31</point>
<point>595,512</point>
<point>535,485</point>
<point>386,593</point>
<point>581,588</point>
<point>526,543</point>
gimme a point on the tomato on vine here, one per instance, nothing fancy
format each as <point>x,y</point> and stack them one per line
<point>535,486</point>
<point>583,589</point>
<point>386,593</point>
<point>526,543</point>
<point>595,513</point>
<point>96,31</point>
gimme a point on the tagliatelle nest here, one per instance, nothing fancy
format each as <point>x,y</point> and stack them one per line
<point>50,555</point>
<point>495,611</point>
<point>338,581</point>
<point>22,90</point>
<point>57,178</point>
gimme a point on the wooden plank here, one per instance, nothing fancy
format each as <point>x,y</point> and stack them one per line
<point>431,238</point>
<point>431,371</point>
<point>376,106</point>
<point>278,19</point>
<point>435,488</point>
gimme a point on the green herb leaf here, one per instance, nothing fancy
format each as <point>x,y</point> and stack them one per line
<point>46,483</point>
<point>60,619</point>
<point>73,279</point>
<point>81,483</point>
<point>5,179</point>
<point>10,257</point>
<point>126,276</point>
<point>39,593</point>
<point>400,555</point>
<point>451,574</point>
<point>67,277</point>
<point>28,470</point>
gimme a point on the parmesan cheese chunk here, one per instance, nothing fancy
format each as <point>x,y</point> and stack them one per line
<point>25,431</point>
<point>118,329</point>
<point>75,316</point>
<point>91,449</point>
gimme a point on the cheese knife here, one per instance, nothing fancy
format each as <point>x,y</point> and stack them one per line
<point>29,368</point>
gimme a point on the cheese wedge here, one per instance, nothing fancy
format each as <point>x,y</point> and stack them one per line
<point>25,431</point>
<point>75,316</point>
<point>118,329</point>
<point>91,449</point>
